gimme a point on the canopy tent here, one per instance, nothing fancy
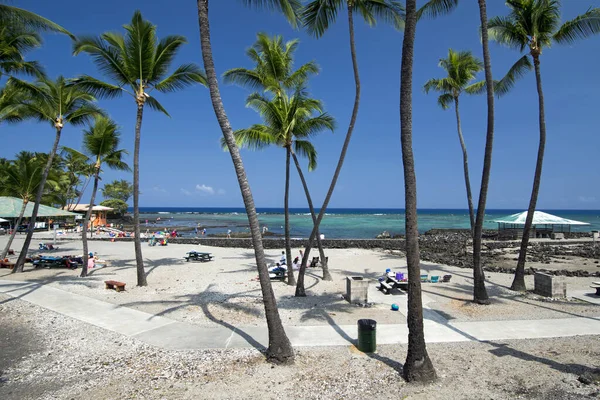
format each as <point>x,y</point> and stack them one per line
<point>10,207</point>
<point>543,223</point>
<point>3,220</point>
<point>539,218</point>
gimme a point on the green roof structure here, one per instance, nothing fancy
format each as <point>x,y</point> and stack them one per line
<point>10,207</point>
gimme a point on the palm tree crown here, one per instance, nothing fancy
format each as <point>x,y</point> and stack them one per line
<point>137,63</point>
<point>15,41</point>
<point>57,102</point>
<point>288,121</point>
<point>462,67</point>
<point>317,15</point>
<point>274,63</point>
<point>535,24</point>
<point>18,17</point>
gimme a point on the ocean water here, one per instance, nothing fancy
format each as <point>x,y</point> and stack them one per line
<point>338,223</point>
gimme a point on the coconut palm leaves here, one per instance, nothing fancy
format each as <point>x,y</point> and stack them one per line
<point>15,41</point>
<point>19,17</point>
<point>273,71</point>
<point>137,63</point>
<point>533,25</point>
<point>289,8</point>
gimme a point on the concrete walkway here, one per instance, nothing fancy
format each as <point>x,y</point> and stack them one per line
<point>173,335</point>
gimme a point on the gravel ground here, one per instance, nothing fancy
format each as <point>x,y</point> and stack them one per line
<point>49,356</point>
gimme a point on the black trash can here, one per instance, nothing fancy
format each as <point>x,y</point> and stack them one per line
<point>367,338</point>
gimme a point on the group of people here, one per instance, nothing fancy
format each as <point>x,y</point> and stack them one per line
<point>282,264</point>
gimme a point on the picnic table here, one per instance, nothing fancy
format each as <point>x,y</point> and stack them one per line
<point>54,262</point>
<point>198,256</point>
<point>391,282</point>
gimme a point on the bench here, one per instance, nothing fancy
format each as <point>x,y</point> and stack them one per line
<point>596,286</point>
<point>118,286</point>
<point>385,287</point>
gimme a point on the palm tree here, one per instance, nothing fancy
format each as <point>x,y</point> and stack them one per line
<point>288,123</point>
<point>274,74</point>
<point>280,349</point>
<point>22,179</point>
<point>462,67</point>
<point>101,144</point>
<point>316,16</point>
<point>57,103</point>
<point>418,366</point>
<point>137,63</point>
<point>533,25</point>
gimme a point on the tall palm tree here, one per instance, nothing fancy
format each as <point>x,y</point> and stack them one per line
<point>288,123</point>
<point>280,349</point>
<point>138,64</point>
<point>418,366</point>
<point>316,16</point>
<point>58,103</point>
<point>22,179</point>
<point>76,166</point>
<point>461,67</point>
<point>274,74</point>
<point>533,25</point>
<point>101,144</point>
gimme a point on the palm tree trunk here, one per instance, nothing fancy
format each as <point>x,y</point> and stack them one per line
<point>38,198</point>
<point>14,231</point>
<point>300,286</point>
<point>280,349</point>
<point>418,366</point>
<point>83,187</point>
<point>519,280</point>
<point>326,274</point>
<point>139,260</point>
<point>86,220</point>
<point>479,291</point>
<point>286,211</point>
<point>465,166</point>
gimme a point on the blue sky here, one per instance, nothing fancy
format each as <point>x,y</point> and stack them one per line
<point>183,165</point>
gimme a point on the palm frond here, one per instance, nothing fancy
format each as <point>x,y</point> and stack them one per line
<point>84,114</point>
<point>516,72</point>
<point>14,15</point>
<point>155,105</point>
<point>140,41</point>
<point>164,55</point>
<point>185,75</point>
<point>476,88</point>
<point>504,31</point>
<point>289,8</point>
<point>306,149</point>
<point>108,59</point>
<point>244,77</point>
<point>257,137</point>
<point>445,100</point>
<point>391,12</point>
<point>436,8</point>
<point>581,27</point>
<point>97,87</point>
<point>317,15</point>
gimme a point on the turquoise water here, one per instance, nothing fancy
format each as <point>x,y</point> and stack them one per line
<point>337,223</point>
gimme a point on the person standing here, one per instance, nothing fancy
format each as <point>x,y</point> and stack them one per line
<point>282,260</point>
<point>228,233</point>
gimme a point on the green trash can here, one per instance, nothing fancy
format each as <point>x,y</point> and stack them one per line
<point>367,338</point>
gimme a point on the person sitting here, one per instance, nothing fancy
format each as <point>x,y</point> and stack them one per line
<point>282,259</point>
<point>152,241</point>
<point>296,263</point>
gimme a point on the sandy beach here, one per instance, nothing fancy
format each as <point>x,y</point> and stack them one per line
<point>225,291</point>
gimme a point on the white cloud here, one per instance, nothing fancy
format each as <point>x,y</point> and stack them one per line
<point>587,199</point>
<point>185,192</point>
<point>159,189</point>
<point>205,189</point>
<point>221,191</point>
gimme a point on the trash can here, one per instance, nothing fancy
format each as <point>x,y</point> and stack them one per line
<point>367,338</point>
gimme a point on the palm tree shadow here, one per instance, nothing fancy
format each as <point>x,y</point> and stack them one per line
<point>504,349</point>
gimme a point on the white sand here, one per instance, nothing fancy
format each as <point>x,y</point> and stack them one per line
<point>226,288</point>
